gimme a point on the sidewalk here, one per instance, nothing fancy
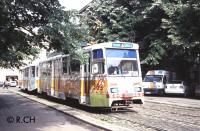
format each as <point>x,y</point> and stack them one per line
<point>72,112</point>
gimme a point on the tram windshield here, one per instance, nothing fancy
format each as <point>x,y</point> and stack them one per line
<point>122,62</point>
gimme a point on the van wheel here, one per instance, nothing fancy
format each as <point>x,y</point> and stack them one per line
<point>162,93</point>
<point>186,94</point>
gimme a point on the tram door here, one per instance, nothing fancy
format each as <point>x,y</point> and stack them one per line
<point>32,78</point>
<point>37,83</point>
<point>55,79</point>
<point>85,78</point>
<point>48,77</point>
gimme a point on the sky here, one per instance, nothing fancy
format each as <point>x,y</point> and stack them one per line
<point>74,4</point>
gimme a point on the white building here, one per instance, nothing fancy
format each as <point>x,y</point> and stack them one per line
<point>12,73</point>
<point>8,72</point>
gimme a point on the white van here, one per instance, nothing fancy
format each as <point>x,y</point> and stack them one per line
<point>155,81</point>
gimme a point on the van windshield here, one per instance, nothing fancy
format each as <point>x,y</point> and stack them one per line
<point>153,78</point>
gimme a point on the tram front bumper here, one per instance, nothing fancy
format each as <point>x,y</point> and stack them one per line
<point>126,99</point>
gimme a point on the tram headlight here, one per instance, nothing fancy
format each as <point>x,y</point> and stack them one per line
<point>113,90</point>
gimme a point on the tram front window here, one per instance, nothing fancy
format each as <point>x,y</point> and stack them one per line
<point>122,62</point>
<point>122,67</point>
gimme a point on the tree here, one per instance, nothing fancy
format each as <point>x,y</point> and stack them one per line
<point>166,30</point>
<point>183,28</point>
<point>25,26</point>
<point>65,35</point>
<point>131,20</point>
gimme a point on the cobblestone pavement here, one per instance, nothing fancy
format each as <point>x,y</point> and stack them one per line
<point>157,114</point>
<point>157,117</point>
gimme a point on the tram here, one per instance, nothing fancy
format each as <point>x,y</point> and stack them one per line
<point>28,78</point>
<point>110,77</point>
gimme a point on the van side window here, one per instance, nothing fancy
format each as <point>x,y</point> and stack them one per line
<point>164,80</point>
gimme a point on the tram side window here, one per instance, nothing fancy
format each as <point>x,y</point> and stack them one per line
<point>26,72</point>
<point>43,69</point>
<point>97,54</point>
<point>87,66</point>
<point>65,63</point>
<point>75,66</point>
<point>33,71</point>
<point>37,72</point>
<point>20,73</point>
<point>57,67</point>
<point>48,69</point>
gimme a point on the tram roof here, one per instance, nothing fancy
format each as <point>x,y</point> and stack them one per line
<point>99,46</point>
<point>110,45</point>
<point>55,57</point>
<point>35,63</point>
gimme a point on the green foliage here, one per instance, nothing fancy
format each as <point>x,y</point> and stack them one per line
<point>184,27</point>
<point>64,35</point>
<point>165,29</point>
<point>155,53</point>
<point>18,19</point>
<point>133,21</point>
<point>27,26</point>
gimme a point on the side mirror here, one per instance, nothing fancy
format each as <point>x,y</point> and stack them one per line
<point>95,68</point>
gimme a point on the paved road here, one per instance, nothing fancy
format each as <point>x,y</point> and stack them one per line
<point>21,114</point>
<point>157,114</point>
